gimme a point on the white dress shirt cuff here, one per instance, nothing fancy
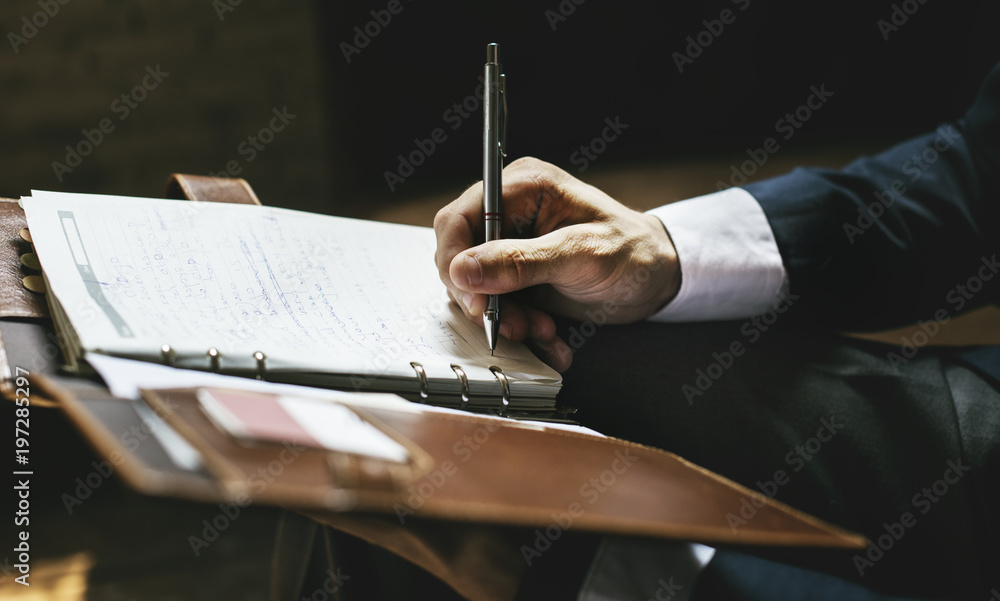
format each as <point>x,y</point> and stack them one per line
<point>729,259</point>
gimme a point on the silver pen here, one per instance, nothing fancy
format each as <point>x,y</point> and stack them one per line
<point>494,150</point>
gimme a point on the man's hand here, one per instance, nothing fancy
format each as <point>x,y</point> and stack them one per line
<point>572,249</point>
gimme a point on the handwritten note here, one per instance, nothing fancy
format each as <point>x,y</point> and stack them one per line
<point>313,292</point>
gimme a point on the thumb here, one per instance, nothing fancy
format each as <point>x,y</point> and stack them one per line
<point>503,266</point>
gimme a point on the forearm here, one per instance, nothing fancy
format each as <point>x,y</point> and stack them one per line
<point>885,241</point>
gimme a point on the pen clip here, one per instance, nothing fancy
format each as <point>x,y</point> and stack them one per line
<point>503,115</point>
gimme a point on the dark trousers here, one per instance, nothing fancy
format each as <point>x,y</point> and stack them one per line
<point>898,446</point>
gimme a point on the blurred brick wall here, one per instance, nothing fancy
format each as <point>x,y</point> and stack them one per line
<point>228,70</point>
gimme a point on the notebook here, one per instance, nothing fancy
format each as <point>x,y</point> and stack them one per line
<point>271,293</point>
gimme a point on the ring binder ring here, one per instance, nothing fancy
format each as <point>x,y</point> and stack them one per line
<point>504,389</point>
<point>168,354</point>
<point>261,364</point>
<point>422,376</point>
<point>215,357</point>
<point>464,380</point>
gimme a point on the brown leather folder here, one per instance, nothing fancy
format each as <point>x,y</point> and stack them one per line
<point>468,467</point>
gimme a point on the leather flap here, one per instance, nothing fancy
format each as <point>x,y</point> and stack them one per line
<point>506,473</point>
<point>205,188</point>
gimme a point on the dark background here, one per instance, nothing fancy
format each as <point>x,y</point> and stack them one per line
<point>229,69</point>
<point>230,66</point>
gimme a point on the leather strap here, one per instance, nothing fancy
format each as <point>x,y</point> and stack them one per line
<point>15,299</point>
<point>181,186</point>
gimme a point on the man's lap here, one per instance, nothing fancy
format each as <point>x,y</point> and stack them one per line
<point>826,424</point>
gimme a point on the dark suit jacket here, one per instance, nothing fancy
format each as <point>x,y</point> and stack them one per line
<point>905,235</point>
<point>910,234</point>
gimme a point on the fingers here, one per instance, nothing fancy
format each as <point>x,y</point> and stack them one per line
<point>502,266</point>
<point>542,338</point>
<point>555,353</point>
<point>533,204</point>
<point>521,322</point>
<point>518,320</point>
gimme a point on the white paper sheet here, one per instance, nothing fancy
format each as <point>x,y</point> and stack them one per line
<point>312,292</point>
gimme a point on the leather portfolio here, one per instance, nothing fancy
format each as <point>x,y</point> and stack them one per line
<point>467,479</point>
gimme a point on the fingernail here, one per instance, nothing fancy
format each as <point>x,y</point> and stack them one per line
<point>473,270</point>
<point>467,301</point>
<point>506,330</point>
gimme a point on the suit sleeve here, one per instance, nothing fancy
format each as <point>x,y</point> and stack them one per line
<point>897,237</point>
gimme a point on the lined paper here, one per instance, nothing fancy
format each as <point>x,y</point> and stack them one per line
<point>311,291</point>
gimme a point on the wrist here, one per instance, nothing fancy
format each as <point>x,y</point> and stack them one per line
<point>665,266</point>
<point>732,266</point>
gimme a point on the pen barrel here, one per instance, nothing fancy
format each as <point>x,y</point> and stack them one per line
<point>492,158</point>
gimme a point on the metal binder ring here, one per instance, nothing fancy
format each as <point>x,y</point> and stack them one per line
<point>465,384</point>
<point>215,357</point>
<point>168,354</point>
<point>261,364</point>
<point>422,376</point>
<point>504,389</point>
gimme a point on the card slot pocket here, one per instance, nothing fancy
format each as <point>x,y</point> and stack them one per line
<point>289,474</point>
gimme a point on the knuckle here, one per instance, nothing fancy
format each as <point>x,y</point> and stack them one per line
<point>442,217</point>
<point>590,240</point>
<point>519,263</point>
<point>528,163</point>
<point>607,253</point>
<point>535,170</point>
<point>543,180</point>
